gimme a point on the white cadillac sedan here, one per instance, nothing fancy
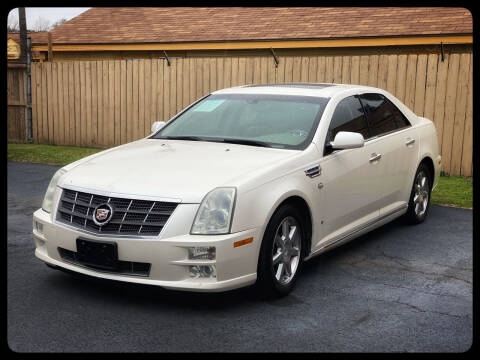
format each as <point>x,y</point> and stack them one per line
<point>241,187</point>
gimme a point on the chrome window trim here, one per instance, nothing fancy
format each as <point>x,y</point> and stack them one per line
<point>368,141</point>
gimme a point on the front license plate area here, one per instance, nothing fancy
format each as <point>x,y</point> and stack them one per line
<point>98,254</point>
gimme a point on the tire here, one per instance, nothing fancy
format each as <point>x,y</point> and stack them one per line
<point>419,201</point>
<point>272,281</point>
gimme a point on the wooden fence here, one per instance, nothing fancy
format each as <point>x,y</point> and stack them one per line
<point>17,103</point>
<point>107,103</point>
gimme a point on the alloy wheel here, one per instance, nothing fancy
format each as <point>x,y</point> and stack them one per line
<point>421,194</point>
<point>286,250</point>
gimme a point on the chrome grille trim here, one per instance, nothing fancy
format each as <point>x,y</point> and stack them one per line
<point>140,218</point>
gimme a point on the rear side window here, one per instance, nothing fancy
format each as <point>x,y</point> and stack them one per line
<point>348,116</point>
<point>382,115</point>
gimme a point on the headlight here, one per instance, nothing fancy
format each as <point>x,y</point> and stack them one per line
<point>48,199</point>
<point>215,212</point>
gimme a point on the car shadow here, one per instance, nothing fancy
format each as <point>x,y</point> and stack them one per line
<point>123,293</point>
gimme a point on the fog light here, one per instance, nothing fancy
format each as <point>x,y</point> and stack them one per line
<point>39,227</point>
<point>203,271</point>
<point>201,253</point>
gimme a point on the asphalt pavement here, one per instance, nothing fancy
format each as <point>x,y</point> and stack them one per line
<point>399,288</point>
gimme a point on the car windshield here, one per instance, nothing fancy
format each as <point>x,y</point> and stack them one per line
<point>280,121</point>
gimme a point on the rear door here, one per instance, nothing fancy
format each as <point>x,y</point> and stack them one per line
<point>350,177</point>
<point>398,144</point>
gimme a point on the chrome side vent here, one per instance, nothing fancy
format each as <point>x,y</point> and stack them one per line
<point>313,171</point>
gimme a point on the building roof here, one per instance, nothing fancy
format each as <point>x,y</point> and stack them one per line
<point>122,25</point>
<point>40,37</point>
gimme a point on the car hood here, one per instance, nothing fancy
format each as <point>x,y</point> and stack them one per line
<point>176,169</point>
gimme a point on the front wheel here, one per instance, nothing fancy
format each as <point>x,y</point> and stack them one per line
<point>280,259</point>
<point>419,202</point>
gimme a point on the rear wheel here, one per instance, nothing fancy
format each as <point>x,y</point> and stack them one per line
<point>280,259</point>
<point>419,202</point>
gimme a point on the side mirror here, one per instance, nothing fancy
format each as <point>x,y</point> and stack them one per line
<point>347,140</point>
<point>157,125</point>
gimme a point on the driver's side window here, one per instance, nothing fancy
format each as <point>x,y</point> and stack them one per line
<point>348,116</point>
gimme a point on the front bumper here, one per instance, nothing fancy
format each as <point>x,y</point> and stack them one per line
<point>235,266</point>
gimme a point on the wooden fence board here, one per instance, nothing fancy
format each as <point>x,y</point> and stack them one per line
<point>346,70</point>
<point>355,70</point>
<point>337,69</point>
<point>50,102</point>
<point>129,96</point>
<point>88,103</point>
<point>391,73</point>
<point>123,101</point>
<point>135,99</point>
<point>312,69</point>
<point>35,106</point>
<point>440,92</point>
<point>185,85</point>
<point>448,121</point>
<point>111,103</point>
<point>382,72</point>
<point>71,101</point>
<point>248,71</point>
<point>148,97</point>
<point>466,168</point>
<point>401,77</point>
<point>93,140</point>
<point>410,81</point>
<point>141,99</point>
<point>430,86</point>
<point>288,69</point>
<point>234,79</point>
<point>83,106</point>
<point>363,70</point>
<point>263,70</point>
<point>460,110</point>
<point>241,72</point>
<point>372,70</point>
<point>172,106</point>
<point>297,68</point>
<point>420,81</point>
<point>304,69</point>
<point>271,71</point>
<point>117,103</point>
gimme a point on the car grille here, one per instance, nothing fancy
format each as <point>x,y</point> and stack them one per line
<point>130,216</point>
<point>124,267</point>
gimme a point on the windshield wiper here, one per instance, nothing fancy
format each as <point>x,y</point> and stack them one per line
<point>193,138</point>
<point>246,142</point>
<point>230,141</point>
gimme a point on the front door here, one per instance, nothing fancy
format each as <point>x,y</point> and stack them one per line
<point>351,177</point>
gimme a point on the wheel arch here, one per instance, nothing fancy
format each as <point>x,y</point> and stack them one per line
<point>427,160</point>
<point>302,205</point>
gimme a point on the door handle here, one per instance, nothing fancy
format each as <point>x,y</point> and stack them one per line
<point>375,157</point>
<point>410,142</point>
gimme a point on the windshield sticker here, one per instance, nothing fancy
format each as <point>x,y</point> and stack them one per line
<point>208,105</point>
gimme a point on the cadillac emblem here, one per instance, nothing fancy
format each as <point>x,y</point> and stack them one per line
<point>102,214</point>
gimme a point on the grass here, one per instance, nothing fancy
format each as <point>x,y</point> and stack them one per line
<point>451,190</point>
<point>48,154</point>
<point>454,191</point>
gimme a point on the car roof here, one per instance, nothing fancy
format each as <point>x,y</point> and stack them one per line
<point>305,89</point>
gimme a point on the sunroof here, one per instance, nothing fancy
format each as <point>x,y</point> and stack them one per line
<point>295,85</point>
